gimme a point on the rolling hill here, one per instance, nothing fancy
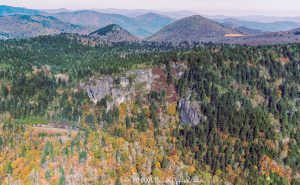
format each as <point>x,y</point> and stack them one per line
<point>95,20</point>
<point>25,26</point>
<point>249,31</point>
<point>113,33</point>
<point>153,22</point>
<point>266,27</point>
<point>194,28</point>
<point>200,29</point>
<point>23,23</point>
<point>141,26</point>
<point>9,10</point>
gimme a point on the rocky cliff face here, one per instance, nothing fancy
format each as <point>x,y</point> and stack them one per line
<point>190,112</point>
<point>99,88</point>
<point>136,82</point>
<point>120,89</point>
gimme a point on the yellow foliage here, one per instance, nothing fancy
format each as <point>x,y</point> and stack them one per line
<point>150,143</point>
<point>123,111</point>
<point>51,167</point>
<point>160,157</point>
<point>270,144</point>
<point>147,112</point>
<point>134,108</point>
<point>143,139</point>
<point>157,173</point>
<point>234,35</point>
<point>54,180</point>
<point>190,170</point>
<point>2,173</point>
<point>175,158</point>
<point>218,172</point>
<point>171,110</point>
<point>121,141</point>
<point>133,170</point>
<point>157,164</point>
<point>231,173</point>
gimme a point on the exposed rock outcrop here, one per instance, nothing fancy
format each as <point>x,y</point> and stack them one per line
<point>120,89</point>
<point>99,88</point>
<point>190,112</point>
<point>142,77</point>
<point>126,87</point>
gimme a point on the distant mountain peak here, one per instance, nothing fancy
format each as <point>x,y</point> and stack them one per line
<point>141,26</point>
<point>113,33</point>
<point>152,14</point>
<point>195,28</point>
<point>109,29</point>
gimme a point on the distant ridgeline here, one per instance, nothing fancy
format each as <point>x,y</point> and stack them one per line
<point>74,112</point>
<point>20,23</point>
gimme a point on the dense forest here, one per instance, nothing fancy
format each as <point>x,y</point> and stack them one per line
<point>52,133</point>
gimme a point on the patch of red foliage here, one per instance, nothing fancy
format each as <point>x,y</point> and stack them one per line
<point>160,83</point>
<point>8,88</point>
<point>283,60</point>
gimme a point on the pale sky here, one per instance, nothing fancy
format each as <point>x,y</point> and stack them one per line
<point>213,7</point>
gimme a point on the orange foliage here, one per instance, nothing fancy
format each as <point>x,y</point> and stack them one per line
<point>123,111</point>
<point>271,144</point>
<point>231,173</point>
<point>268,166</point>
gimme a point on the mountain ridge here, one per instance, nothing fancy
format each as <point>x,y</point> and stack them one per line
<point>193,28</point>
<point>113,33</point>
<point>266,27</point>
<point>95,20</point>
<point>10,10</point>
<point>34,25</point>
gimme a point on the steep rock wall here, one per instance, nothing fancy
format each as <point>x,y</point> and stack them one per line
<point>121,88</point>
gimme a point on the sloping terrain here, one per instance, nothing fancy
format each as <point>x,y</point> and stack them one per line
<point>72,113</point>
<point>284,37</point>
<point>141,26</point>
<point>96,20</point>
<point>92,18</point>
<point>200,29</point>
<point>24,26</point>
<point>153,22</point>
<point>194,28</point>
<point>249,31</point>
<point>266,27</point>
<point>9,10</point>
<point>113,33</point>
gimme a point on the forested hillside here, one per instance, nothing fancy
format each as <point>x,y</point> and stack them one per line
<point>80,113</point>
<point>25,26</point>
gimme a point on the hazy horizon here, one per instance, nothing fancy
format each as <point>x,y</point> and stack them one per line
<point>214,7</point>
